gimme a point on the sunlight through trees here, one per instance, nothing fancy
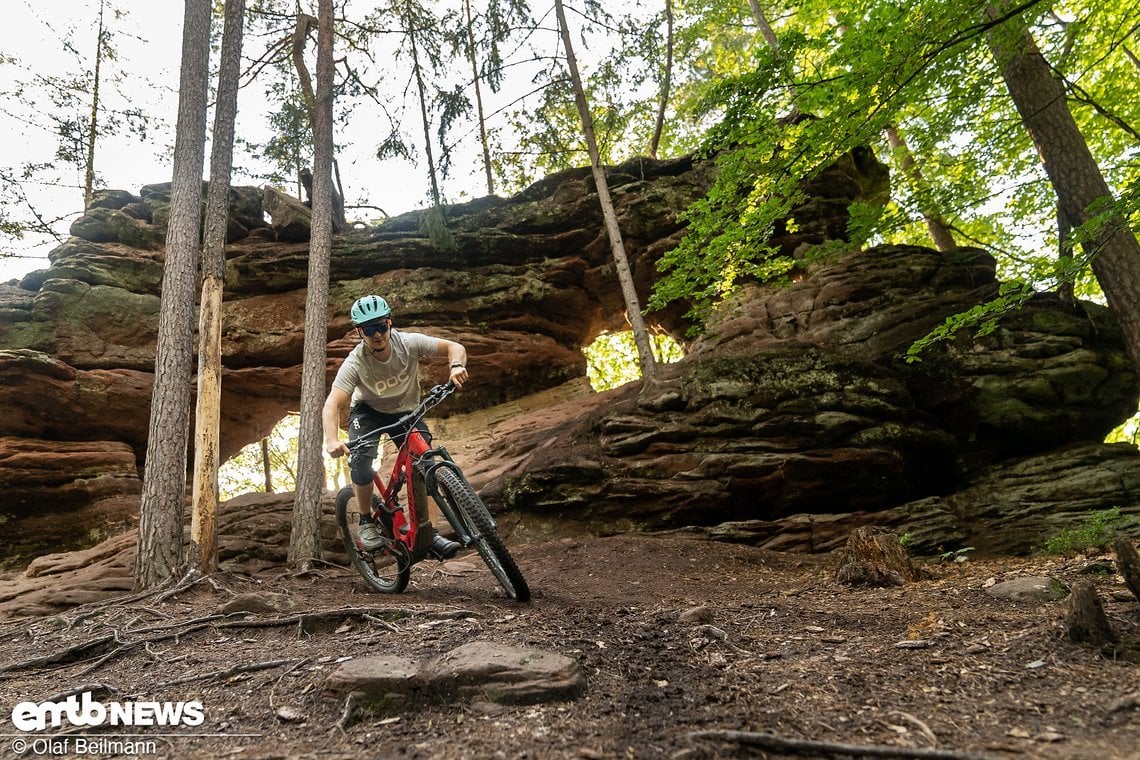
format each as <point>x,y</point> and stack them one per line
<point>611,360</point>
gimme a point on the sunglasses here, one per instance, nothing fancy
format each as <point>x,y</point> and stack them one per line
<point>372,330</point>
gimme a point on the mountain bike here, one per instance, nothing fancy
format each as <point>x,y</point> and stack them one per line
<point>428,471</point>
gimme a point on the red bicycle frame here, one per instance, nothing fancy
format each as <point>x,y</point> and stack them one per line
<point>405,524</point>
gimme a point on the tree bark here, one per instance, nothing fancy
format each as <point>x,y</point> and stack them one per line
<point>479,99</point>
<point>162,504</point>
<point>935,225</point>
<point>93,126</point>
<point>666,81</point>
<point>765,27</point>
<point>306,24</point>
<point>305,539</point>
<point>1085,621</point>
<point>207,419</point>
<point>1128,564</point>
<point>1081,188</point>
<point>421,90</point>
<point>617,247</point>
<point>266,466</point>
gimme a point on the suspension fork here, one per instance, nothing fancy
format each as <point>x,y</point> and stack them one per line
<point>429,464</point>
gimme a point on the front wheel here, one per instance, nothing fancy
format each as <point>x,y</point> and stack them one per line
<point>386,569</point>
<point>469,508</point>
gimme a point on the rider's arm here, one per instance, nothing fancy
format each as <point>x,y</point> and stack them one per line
<point>336,402</point>
<point>457,358</point>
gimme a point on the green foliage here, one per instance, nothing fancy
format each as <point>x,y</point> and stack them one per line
<point>290,148</point>
<point>1097,531</point>
<point>957,555</point>
<point>244,472</point>
<point>982,319</point>
<point>611,360</point>
<point>1127,432</point>
<point>923,68</point>
<point>434,225</point>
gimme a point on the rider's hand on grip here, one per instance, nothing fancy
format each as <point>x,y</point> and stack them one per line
<point>458,377</point>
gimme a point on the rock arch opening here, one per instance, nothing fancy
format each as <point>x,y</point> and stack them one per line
<point>267,465</point>
<point>611,358</point>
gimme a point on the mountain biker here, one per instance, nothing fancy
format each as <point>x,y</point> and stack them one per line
<point>380,379</point>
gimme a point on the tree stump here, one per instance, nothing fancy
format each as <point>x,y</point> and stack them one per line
<point>874,557</point>
<point>1085,621</point>
<point>1128,563</point>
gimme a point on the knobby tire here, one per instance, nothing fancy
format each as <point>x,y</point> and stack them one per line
<point>469,508</point>
<point>386,572</point>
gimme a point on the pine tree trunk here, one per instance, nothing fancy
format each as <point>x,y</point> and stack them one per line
<point>479,99</point>
<point>305,539</point>
<point>666,82</point>
<point>266,465</point>
<point>162,504</point>
<point>421,90</point>
<point>93,126</point>
<point>207,419</point>
<point>1040,100</point>
<point>617,247</point>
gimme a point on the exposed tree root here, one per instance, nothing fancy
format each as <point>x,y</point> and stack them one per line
<point>804,746</point>
<point>307,623</point>
<point>73,653</point>
<point>236,669</point>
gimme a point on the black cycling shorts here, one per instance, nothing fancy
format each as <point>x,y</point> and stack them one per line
<point>363,421</point>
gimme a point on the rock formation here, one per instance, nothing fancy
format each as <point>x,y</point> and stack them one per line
<point>793,419</point>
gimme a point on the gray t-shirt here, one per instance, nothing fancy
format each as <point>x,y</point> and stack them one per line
<point>387,386</point>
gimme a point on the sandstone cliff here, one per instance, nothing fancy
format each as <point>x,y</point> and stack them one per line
<point>791,420</point>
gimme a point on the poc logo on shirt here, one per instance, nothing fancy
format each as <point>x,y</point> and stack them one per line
<point>392,382</point>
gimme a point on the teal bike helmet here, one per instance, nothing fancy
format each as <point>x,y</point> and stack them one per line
<point>369,309</point>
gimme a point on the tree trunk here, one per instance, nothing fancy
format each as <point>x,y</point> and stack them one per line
<point>935,225</point>
<point>765,27</point>
<point>266,466</point>
<point>306,24</point>
<point>617,247</point>
<point>666,81</point>
<point>93,126</point>
<point>162,503</point>
<point>479,99</point>
<point>305,539</point>
<point>1128,564</point>
<point>436,198</point>
<point>1066,288</point>
<point>1081,189</point>
<point>207,419</point>
<point>1085,621</point>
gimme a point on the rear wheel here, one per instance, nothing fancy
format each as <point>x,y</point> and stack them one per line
<point>469,508</point>
<point>386,569</point>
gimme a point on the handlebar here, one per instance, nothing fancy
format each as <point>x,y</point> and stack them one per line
<point>433,399</point>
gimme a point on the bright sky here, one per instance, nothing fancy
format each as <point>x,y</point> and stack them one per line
<point>147,39</point>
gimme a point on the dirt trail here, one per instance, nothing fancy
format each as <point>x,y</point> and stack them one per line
<point>676,637</point>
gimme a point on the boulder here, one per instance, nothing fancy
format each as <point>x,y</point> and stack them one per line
<point>479,671</point>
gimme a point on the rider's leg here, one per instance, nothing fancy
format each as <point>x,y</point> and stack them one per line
<point>428,540</point>
<point>363,498</point>
<point>360,425</point>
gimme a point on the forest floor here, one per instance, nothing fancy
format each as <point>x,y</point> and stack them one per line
<point>770,645</point>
